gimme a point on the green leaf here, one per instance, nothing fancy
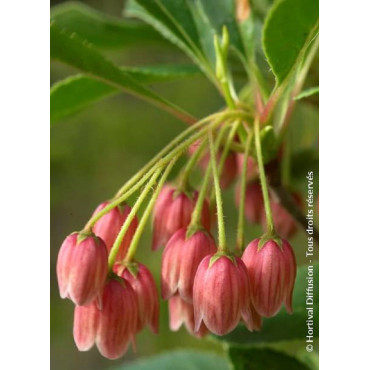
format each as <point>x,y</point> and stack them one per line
<point>283,327</point>
<point>290,27</point>
<point>262,359</point>
<point>306,93</point>
<point>70,49</point>
<point>76,92</point>
<point>102,30</point>
<point>311,359</point>
<point>173,19</point>
<point>179,360</point>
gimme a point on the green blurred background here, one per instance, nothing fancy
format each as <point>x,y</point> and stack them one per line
<point>93,153</point>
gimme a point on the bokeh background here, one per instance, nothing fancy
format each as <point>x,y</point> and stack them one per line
<point>93,153</point>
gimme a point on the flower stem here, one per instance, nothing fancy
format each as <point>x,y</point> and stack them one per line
<point>226,148</point>
<point>115,202</point>
<point>135,241</point>
<point>224,154</point>
<point>220,214</point>
<point>125,191</point>
<point>261,169</point>
<point>130,217</point>
<point>195,223</point>
<point>243,186</point>
<point>173,144</point>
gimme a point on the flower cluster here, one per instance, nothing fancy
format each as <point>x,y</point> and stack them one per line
<point>212,291</point>
<point>209,288</point>
<point>111,307</point>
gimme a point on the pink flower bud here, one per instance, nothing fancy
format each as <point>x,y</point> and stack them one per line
<point>108,227</point>
<point>180,261</point>
<point>182,312</point>
<point>82,267</point>
<point>111,327</point>
<point>142,282</point>
<point>221,293</point>
<point>118,319</point>
<point>173,211</point>
<point>230,167</point>
<point>85,325</point>
<point>254,207</point>
<point>272,271</point>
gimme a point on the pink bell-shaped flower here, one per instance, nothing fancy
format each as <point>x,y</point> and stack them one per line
<point>221,293</point>
<point>272,270</point>
<point>85,325</point>
<point>143,284</point>
<point>182,312</point>
<point>110,327</point>
<point>82,267</point>
<point>108,227</point>
<point>173,211</point>
<point>180,260</point>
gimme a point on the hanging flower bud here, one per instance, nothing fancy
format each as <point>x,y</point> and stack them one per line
<point>285,224</point>
<point>142,282</point>
<point>182,312</point>
<point>173,211</point>
<point>180,261</point>
<point>108,227</point>
<point>118,319</point>
<point>272,271</point>
<point>113,325</point>
<point>85,325</point>
<point>82,267</point>
<point>254,208</point>
<point>230,167</point>
<point>221,293</point>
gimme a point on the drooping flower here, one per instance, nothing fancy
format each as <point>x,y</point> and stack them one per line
<point>112,326</point>
<point>173,211</point>
<point>272,270</point>
<point>182,312</point>
<point>85,325</point>
<point>82,267</point>
<point>109,225</point>
<point>180,260</point>
<point>142,282</point>
<point>221,293</point>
